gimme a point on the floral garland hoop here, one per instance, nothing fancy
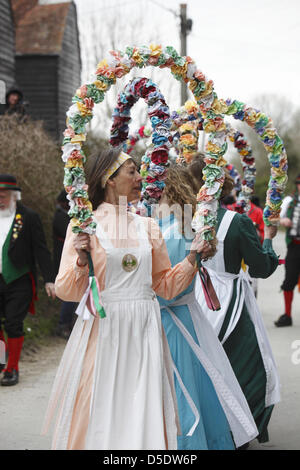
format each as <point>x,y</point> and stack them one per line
<point>81,112</point>
<point>273,144</point>
<point>159,115</point>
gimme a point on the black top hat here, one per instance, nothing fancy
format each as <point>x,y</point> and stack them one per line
<point>14,90</point>
<point>8,182</point>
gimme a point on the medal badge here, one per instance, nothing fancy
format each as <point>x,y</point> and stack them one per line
<point>129,263</point>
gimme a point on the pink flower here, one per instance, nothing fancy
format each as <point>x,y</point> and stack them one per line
<point>82,91</point>
<point>199,75</point>
<point>119,71</point>
<point>116,55</point>
<point>69,132</point>
<point>89,103</point>
<point>153,60</point>
<point>76,155</point>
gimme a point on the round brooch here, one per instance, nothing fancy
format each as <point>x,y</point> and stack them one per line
<point>129,263</point>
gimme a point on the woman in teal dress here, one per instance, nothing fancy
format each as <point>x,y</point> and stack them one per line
<point>212,409</point>
<point>239,324</point>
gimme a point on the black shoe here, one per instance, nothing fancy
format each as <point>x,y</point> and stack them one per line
<point>284,320</point>
<point>10,378</point>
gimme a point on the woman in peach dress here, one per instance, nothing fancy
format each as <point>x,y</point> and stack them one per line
<point>114,386</point>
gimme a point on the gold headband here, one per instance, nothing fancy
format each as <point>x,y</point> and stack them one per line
<point>114,167</point>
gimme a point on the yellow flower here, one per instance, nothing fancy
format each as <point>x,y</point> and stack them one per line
<point>137,58</point>
<point>277,172</point>
<point>18,216</point>
<point>244,152</point>
<point>271,133</point>
<point>209,127</point>
<point>191,106</point>
<point>100,85</point>
<point>212,148</point>
<point>221,162</point>
<point>178,70</point>
<point>75,222</point>
<point>102,64</point>
<point>193,84</point>
<point>208,88</point>
<point>84,111</point>
<point>219,106</point>
<point>73,163</point>
<point>187,127</point>
<point>155,50</point>
<point>85,203</point>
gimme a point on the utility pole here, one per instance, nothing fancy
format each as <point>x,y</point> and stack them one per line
<point>185,28</point>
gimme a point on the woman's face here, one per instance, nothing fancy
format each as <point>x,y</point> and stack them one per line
<point>128,181</point>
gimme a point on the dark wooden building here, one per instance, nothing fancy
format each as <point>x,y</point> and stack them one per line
<point>7,48</point>
<point>47,59</point>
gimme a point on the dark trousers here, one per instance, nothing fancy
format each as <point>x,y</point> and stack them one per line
<point>67,313</point>
<point>292,267</point>
<point>15,299</point>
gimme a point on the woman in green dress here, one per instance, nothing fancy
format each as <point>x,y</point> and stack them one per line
<point>239,324</point>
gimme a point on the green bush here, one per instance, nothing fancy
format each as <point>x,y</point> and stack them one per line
<point>34,158</point>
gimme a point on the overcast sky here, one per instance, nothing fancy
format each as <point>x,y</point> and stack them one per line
<point>246,47</point>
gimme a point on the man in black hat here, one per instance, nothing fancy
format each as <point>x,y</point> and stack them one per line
<point>22,244</point>
<point>290,219</point>
<point>14,102</point>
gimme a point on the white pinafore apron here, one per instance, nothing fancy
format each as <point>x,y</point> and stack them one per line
<point>223,283</point>
<point>133,404</point>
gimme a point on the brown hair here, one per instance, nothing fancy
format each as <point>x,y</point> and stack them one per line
<point>98,164</point>
<point>180,191</point>
<point>196,169</point>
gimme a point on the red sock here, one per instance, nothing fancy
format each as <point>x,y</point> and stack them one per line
<point>14,352</point>
<point>288,298</point>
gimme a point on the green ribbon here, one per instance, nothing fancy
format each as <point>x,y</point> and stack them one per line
<point>94,288</point>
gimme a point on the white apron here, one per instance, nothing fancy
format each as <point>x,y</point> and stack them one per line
<point>133,403</point>
<point>223,283</point>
